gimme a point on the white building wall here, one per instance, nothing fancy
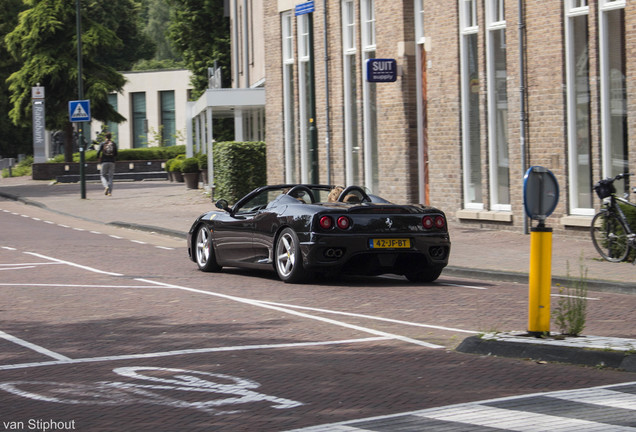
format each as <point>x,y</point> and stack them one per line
<point>151,83</point>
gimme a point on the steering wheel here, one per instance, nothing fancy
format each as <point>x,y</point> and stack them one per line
<point>354,189</point>
<point>299,188</point>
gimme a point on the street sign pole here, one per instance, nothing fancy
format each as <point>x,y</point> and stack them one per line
<point>307,8</point>
<point>540,197</point>
<point>80,93</point>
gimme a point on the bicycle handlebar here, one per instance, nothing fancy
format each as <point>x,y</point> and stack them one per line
<point>620,176</point>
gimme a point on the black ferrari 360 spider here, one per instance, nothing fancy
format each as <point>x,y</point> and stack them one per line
<point>301,230</point>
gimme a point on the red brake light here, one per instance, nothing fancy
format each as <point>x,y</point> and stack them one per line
<point>343,222</point>
<point>427,222</point>
<point>440,222</point>
<point>326,222</point>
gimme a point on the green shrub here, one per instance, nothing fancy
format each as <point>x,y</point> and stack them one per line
<point>203,161</point>
<point>23,168</point>
<point>239,167</point>
<point>176,164</point>
<point>570,314</point>
<point>190,165</point>
<point>147,153</point>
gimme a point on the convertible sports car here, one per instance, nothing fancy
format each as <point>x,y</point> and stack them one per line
<point>300,230</point>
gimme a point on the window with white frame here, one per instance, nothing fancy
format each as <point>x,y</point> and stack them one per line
<point>613,90</point>
<point>304,95</point>
<point>289,125</point>
<point>350,76</point>
<point>419,21</point>
<point>469,64</point>
<point>369,98</point>
<point>497,77</point>
<point>578,107</point>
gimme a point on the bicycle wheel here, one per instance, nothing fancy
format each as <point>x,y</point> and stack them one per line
<point>609,236</point>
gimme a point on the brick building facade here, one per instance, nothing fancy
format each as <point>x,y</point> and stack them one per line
<point>449,130</point>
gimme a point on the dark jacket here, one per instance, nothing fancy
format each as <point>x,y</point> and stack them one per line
<point>104,157</point>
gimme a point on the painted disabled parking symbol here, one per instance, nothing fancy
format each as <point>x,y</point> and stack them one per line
<point>157,386</point>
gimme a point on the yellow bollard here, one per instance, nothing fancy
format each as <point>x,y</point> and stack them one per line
<point>540,280</point>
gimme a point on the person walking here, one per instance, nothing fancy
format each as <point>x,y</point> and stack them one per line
<point>107,155</point>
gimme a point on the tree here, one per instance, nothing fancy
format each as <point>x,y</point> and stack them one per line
<point>13,139</point>
<point>156,28</point>
<point>201,32</point>
<point>45,42</point>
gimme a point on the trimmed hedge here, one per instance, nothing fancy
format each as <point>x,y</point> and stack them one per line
<point>239,167</point>
<point>147,153</point>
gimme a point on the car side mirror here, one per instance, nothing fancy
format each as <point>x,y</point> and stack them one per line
<point>223,205</point>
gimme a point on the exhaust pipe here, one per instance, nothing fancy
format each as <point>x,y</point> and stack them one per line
<point>334,253</point>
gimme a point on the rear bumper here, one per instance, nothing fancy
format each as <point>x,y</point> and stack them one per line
<point>352,254</point>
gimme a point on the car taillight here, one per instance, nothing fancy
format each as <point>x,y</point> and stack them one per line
<point>343,222</point>
<point>427,222</point>
<point>326,222</point>
<point>440,222</point>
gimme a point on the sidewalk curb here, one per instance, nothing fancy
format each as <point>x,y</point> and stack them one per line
<point>520,277</point>
<point>538,352</point>
<point>150,228</point>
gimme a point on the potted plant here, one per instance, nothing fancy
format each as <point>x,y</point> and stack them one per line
<point>174,168</point>
<point>190,170</point>
<point>203,167</point>
<point>169,170</point>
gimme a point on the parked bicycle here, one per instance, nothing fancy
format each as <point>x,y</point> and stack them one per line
<point>612,235</point>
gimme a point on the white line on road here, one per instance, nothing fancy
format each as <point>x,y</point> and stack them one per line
<point>94,270</point>
<point>463,286</point>
<point>371,317</point>
<point>188,352</point>
<point>300,314</point>
<point>33,347</point>
<point>76,286</point>
<point>17,267</point>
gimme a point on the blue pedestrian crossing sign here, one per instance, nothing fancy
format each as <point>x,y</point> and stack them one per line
<point>79,111</point>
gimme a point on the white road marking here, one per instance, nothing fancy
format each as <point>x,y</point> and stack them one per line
<point>300,314</point>
<point>576,297</point>
<point>463,286</point>
<point>33,347</point>
<point>371,317</point>
<point>519,418</point>
<point>150,389</point>
<point>94,270</point>
<point>188,352</point>
<point>76,286</point>
<point>17,267</point>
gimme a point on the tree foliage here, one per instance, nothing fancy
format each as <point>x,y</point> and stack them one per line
<point>13,140</point>
<point>44,43</point>
<point>201,32</point>
<point>156,27</point>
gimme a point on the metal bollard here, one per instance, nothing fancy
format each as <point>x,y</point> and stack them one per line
<point>540,280</point>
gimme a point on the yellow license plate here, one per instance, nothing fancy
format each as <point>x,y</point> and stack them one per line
<point>389,243</point>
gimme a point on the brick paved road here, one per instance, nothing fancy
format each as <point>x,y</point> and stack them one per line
<point>116,330</point>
